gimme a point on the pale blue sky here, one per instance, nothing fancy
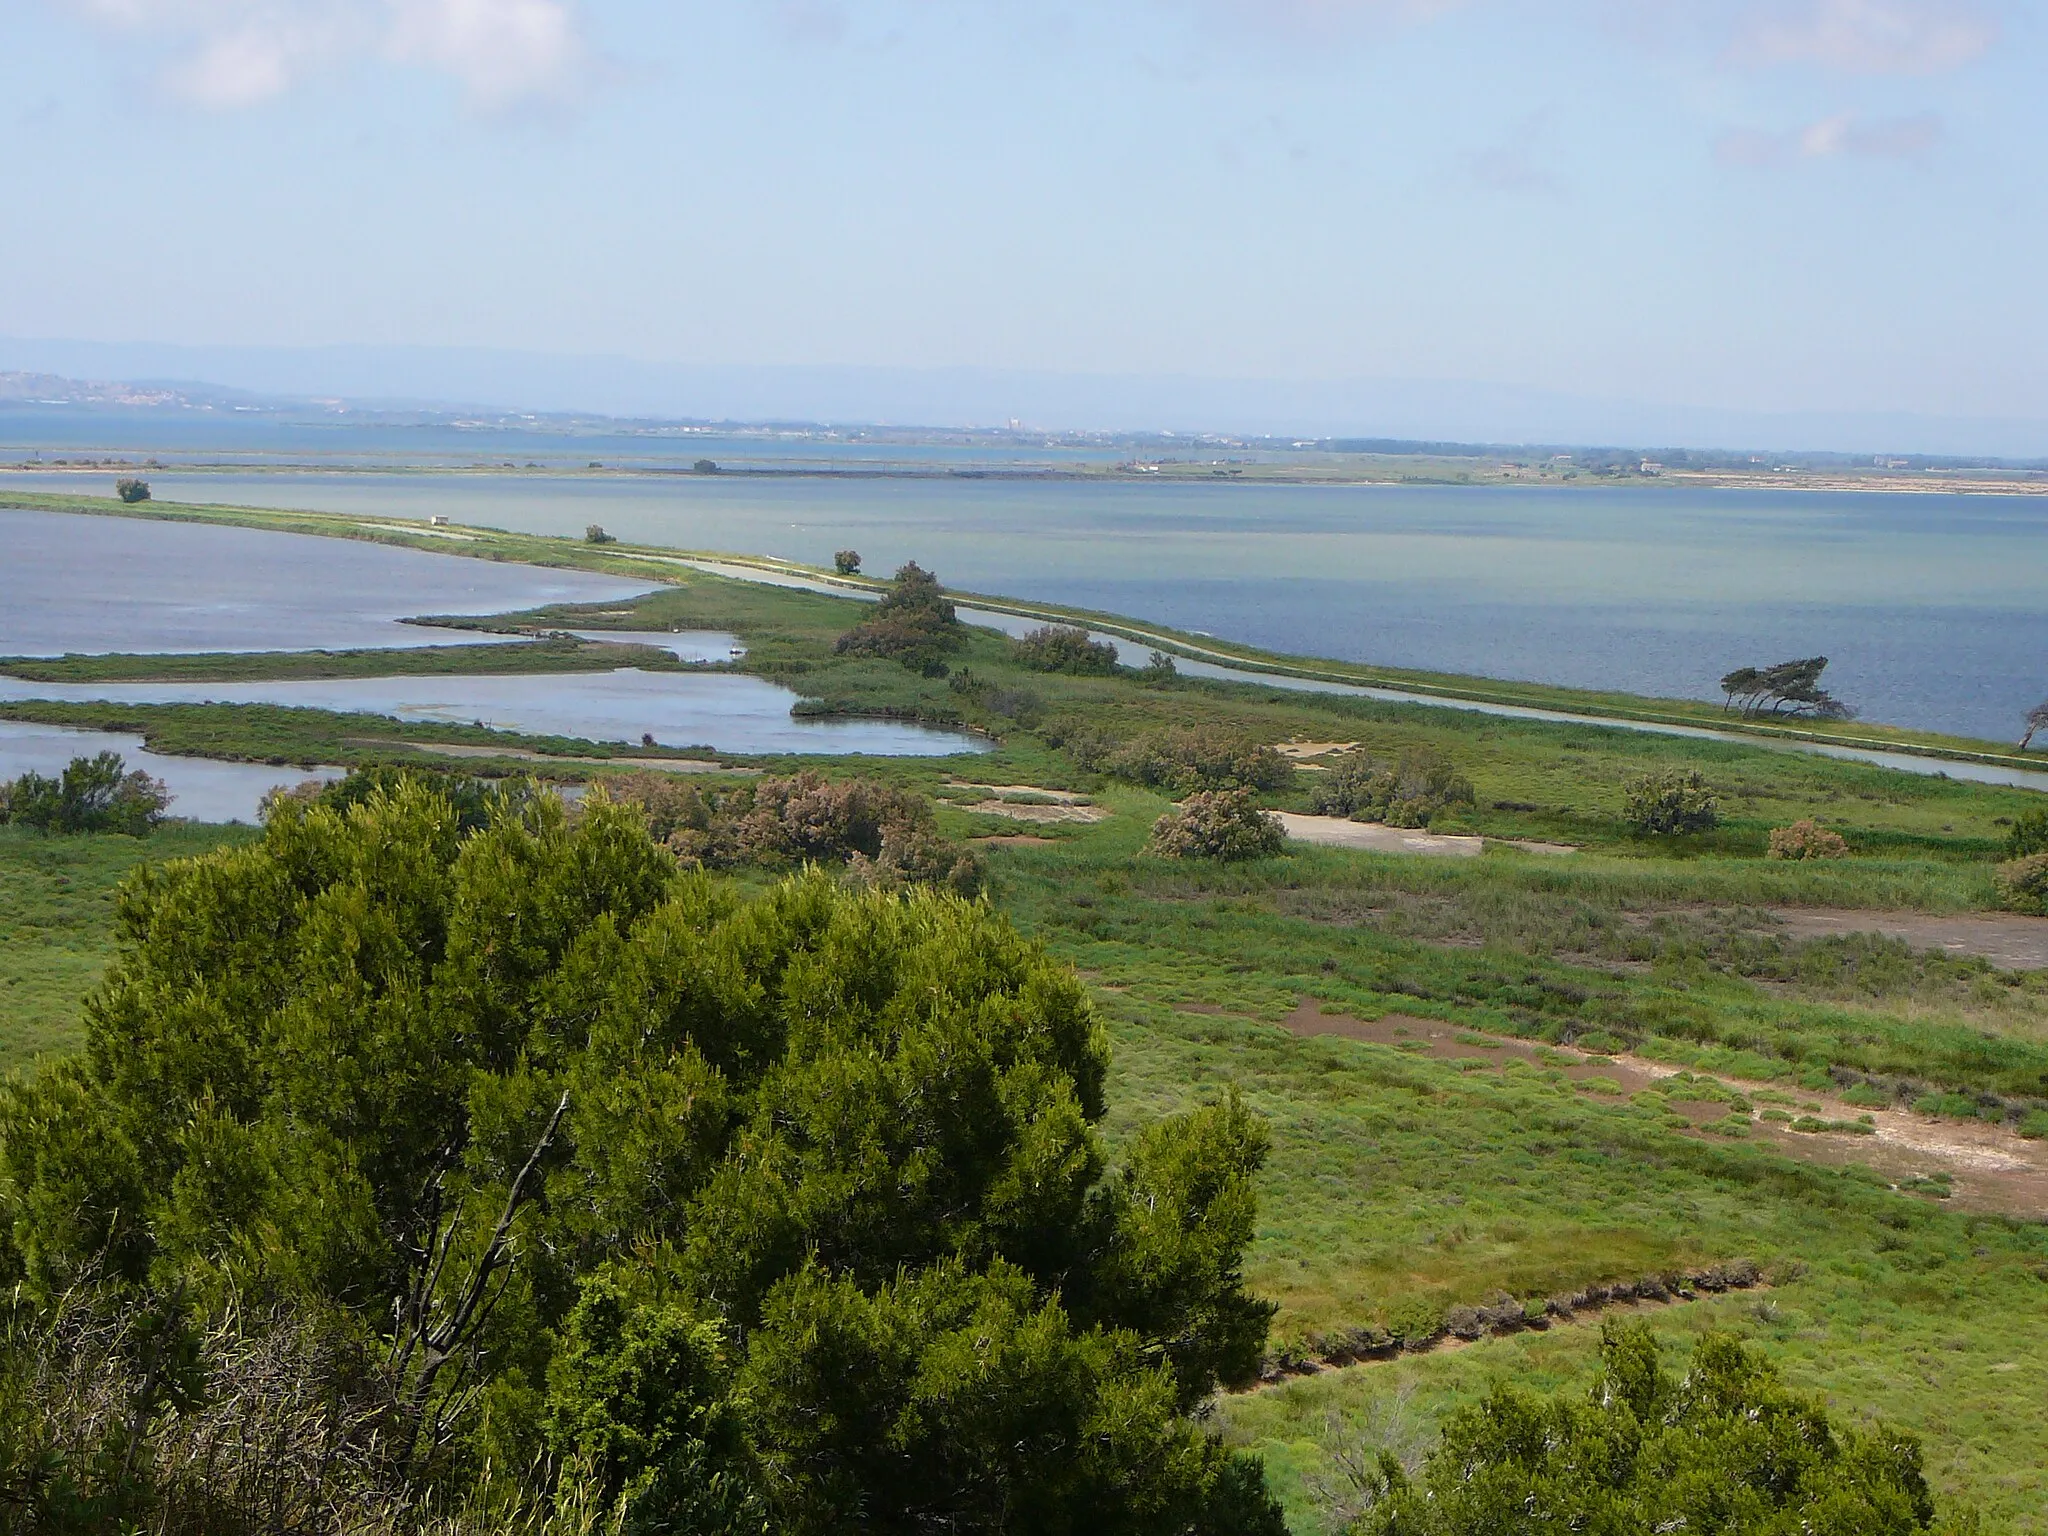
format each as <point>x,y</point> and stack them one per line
<point>1778,205</point>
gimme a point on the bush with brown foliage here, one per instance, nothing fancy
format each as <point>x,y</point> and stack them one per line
<point>2023,884</point>
<point>1807,839</point>
<point>1220,824</point>
<point>885,835</point>
<point>1410,792</point>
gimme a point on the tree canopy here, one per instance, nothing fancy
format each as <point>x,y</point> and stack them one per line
<point>1725,1448</point>
<point>913,624</point>
<point>735,1211</point>
<point>1788,688</point>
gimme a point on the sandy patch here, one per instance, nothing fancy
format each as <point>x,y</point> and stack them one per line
<point>2011,942</point>
<point>1063,796</point>
<point>1991,1168</point>
<point>1337,832</point>
<point>1301,749</point>
<point>1044,815</point>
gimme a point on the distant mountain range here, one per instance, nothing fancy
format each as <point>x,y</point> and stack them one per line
<point>440,380</point>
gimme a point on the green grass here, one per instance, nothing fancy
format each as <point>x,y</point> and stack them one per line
<point>518,658</point>
<point>56,915</point>
<point>1401,1186</point>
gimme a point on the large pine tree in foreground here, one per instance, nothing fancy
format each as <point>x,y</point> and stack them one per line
<point>513,1177</point>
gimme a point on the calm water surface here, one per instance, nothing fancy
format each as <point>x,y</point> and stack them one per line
<point>1934,608</point>
<point>201,789</point>
<point>99,584</point>
<point>728,711</point>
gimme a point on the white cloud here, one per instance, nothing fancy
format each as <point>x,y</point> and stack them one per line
<point>235,53</point>
<point>1844,134</point>
<point>1867,37</point>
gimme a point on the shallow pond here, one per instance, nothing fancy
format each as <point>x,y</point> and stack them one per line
<point>725,711</point>
<point>71,583</point>
<point>201,789</point>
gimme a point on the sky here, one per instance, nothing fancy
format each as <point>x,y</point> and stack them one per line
<point>1750,205</point>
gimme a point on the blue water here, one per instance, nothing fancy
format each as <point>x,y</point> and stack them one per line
<point>201,789</point>
<point>1934,608</point>
<point>99,584</point>
<point>726,711</point>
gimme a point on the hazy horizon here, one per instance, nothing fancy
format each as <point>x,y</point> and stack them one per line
<point>1778,223</point>
<point>454,379</point>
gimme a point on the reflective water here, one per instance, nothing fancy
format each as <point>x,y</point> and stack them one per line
<point>1932,606</point>
<point>693,645</point>
<point>1133,654</point>
<point>201,789</point>
<point>727,712</point>
<point>99,584</point>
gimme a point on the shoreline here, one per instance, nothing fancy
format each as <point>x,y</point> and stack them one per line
<point>1252,665</point>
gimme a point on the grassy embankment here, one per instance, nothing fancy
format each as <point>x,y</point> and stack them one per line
<point>1401,1185</point>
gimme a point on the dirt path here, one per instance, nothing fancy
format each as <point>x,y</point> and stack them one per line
<point>1372,836</point>
<point>2012,943</point>
<point>1337,832</point>
<point>1984,1167</point>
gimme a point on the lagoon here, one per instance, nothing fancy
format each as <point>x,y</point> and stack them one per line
<point>201,789</point>
<point>93,585</point>
<point>725,712</point>
<point>1932,606</point>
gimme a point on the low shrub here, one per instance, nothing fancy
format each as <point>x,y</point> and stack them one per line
<point>93,794</point>
<point>1807,839</point>
<point>1219,824</point>
<point>1412,792</point>
<point>1668,804</point>
<point>2023,884</point>
<point>131,490</point>
<point>595,534</point>
<point>885,836</point>
<point>1064,648</point>
<point>2029,835</point>
<point>1180,760</point>
<point>846,562</point>
<point>1647,1451</point>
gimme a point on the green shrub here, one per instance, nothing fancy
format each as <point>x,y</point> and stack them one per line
<point>2023,884</point>
<point>846,562</point>
<point>131,490</point>
<point>1670,803</point>
<point>1412,792</point>
<point>1645,1452</point>
<point>1218,824</point>
<point>93,794</point>
<point>752,1207</point>
<point>884,835</point>
<point>2029,835</point>
<point>1181,760</point>
<point>912,624</point>
<point>595,534</point>
<point>1807,839</point>
<point>1064,648</point>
